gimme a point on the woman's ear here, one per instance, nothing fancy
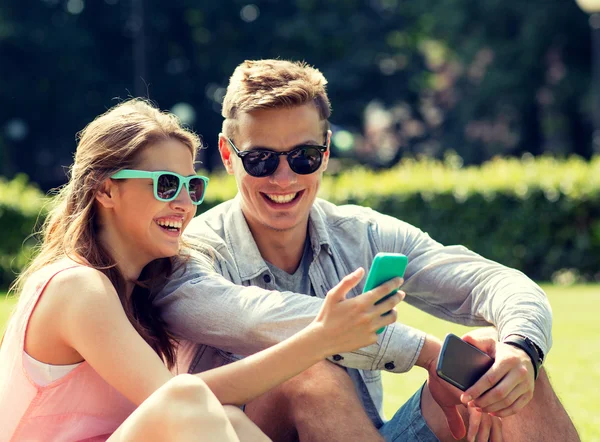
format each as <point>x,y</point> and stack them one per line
<point>106,193</point>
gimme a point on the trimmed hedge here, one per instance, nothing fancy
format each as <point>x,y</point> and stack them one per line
<point>540,215</point>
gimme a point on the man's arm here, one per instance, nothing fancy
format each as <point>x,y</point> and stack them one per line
<point>201,306</point>
<point>458,285</point>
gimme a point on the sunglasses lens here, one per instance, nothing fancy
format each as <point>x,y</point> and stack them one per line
<point>166,187</point>
<point>197,189</point>
<point>305,160</point>
<point>260,163</point>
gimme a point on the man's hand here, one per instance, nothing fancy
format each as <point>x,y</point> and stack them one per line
<point>508,385</point>
<point>482,426</point>
<point>447,397</point>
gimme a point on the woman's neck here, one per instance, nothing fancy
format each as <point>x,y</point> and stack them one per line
<point>129,263</point>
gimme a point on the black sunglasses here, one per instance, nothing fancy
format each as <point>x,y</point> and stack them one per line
<point>303,160</point>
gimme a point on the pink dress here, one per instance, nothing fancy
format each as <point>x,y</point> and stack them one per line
<point>78,406</point>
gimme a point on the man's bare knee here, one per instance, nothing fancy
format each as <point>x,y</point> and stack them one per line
<point>322,379</point>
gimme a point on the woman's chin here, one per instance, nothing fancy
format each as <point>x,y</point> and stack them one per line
<point>168,251</point>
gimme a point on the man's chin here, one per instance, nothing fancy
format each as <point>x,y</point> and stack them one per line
<point>280,225</point>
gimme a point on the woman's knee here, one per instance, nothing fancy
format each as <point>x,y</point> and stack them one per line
<point>182,406</point>
<point>187,398</point>
<point>243,426</point>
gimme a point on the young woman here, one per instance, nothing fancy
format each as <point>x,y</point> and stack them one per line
<point>84,354</point>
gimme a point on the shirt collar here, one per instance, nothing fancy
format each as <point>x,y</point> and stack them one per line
<point>246,255</point>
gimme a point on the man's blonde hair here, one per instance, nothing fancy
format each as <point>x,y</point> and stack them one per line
<point>272,84</point>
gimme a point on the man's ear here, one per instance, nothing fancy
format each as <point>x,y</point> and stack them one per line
<point>225,151</point>
<point>106,193</point>
<point>327,152</point>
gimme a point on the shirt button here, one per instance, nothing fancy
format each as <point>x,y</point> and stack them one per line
<point>389,366</point>
<point>337,358</point>
<point>267,278</point>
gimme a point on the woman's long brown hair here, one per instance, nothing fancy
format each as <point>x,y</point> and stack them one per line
<point>111,142</point>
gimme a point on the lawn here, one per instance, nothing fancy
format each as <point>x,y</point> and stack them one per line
<point>573,364</point>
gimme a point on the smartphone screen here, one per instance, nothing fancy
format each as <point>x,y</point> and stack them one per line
<point>385,266</point>
<point>462,364</point>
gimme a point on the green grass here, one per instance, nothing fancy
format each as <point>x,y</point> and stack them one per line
<point>573,364</point>
<point>6,306</point>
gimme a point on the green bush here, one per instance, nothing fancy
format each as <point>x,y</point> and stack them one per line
<point>21,209</point>
<point>540,215</point>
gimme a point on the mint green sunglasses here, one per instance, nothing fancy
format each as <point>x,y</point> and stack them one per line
<point>167,185</point>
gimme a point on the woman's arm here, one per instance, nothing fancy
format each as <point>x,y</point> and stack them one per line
<point>341,325</point>
<point>94,324</point>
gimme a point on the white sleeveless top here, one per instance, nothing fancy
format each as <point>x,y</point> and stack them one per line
<point>44,374</point>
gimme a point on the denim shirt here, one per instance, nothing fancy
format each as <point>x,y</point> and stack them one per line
<point>225,306</point>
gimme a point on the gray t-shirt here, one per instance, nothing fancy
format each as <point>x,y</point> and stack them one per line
<point>298,282</point>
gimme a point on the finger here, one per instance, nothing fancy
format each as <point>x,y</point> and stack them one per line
<point>455,422</point>
<point>486,382</point>
<point>372,296</point>
<point>501,404</point>
<point>474,421</point>
<point>496,433</point>
<point>517,406</point>
<point>498,392</point>
<point>338,293</point>
<point>485,427</point>
<point>515,379</point>
<point>383,320</point>
<point>389,303</point>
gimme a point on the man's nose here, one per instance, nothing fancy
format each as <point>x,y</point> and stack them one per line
<point>283,175</point>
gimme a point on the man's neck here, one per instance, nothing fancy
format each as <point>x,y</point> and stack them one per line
<point>283,249</point>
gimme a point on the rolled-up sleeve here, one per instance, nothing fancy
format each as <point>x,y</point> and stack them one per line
<point>458,285</point>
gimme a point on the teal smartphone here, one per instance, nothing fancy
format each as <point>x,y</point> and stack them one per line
<point>385,266</point>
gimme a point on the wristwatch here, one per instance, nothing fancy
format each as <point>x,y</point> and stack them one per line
<point>529,347</point>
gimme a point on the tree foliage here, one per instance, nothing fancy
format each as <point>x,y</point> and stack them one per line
<point>483,77</point>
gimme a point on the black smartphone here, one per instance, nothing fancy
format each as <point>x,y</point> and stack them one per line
<point>461,363</point>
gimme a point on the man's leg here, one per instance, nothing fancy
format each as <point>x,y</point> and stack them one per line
<point>543,419</point>
<point>319,404</point>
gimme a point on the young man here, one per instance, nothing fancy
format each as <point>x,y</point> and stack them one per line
<point>282,249</point>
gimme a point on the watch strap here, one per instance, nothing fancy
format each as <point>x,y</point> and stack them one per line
<point>528,347</point>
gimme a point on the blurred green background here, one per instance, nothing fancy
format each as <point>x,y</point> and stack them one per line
<point>477,121</point>
<point>482,78</point>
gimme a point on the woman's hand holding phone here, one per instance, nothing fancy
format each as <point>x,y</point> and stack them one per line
<point>349,324</point>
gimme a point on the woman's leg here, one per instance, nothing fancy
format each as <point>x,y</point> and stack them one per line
<point>184,409</point>
<point>246,430</point>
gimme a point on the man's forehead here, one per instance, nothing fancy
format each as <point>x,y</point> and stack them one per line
<point>284,127</point>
